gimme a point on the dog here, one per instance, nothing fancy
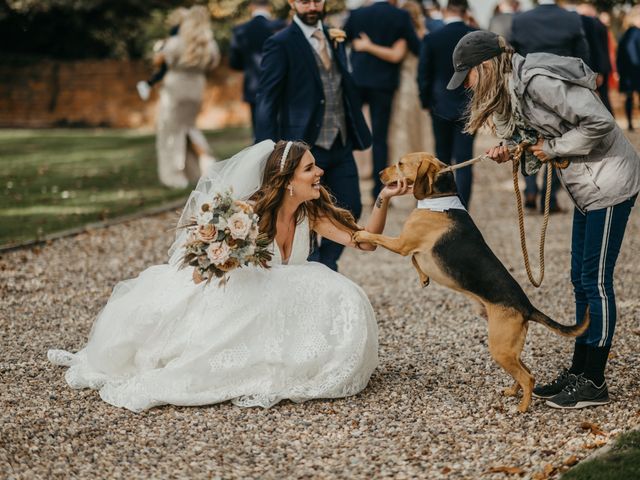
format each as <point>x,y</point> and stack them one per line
<point>446,246</point>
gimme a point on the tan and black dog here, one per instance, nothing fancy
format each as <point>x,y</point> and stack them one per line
<point>447,247</point>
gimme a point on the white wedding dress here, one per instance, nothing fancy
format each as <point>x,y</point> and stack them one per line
<point>296,331</point>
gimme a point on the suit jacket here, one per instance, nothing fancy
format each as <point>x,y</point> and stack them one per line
<point>290,100</point>
<point>435,69</point>
<point>246,50</point>
<point>384,24</point>
<point>598,41</point>
<point>550,29</point>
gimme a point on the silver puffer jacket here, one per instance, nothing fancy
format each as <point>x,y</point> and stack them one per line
<point>557,99</point>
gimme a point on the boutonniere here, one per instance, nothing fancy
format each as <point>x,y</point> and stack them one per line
<point>337,35</point>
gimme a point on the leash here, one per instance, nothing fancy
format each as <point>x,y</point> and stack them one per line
<point>516,156</point>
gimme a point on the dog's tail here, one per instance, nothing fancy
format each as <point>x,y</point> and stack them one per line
<point>564,330</point>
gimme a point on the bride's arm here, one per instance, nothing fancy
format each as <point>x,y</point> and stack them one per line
<point>339,234</point>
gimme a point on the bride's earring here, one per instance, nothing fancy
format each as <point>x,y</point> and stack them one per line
<point>291,190</point>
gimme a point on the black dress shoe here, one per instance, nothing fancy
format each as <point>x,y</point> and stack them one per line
<point>554,209</point>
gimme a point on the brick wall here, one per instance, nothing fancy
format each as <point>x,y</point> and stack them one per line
<point>102,93</point>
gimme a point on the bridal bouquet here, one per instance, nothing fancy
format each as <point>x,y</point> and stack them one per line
<point>224,236</point>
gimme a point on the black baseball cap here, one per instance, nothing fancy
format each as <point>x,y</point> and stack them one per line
<point>473,49</point>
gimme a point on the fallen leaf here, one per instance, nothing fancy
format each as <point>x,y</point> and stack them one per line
<point>570,461</point>
<point>505,469</point>
<point>445,470</point>
<point>612,355</point>
<point>636,331</point>
<point>598,443</point>
<point>593,428</point>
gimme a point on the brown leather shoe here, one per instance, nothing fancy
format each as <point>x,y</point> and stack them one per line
<point>530,201</point>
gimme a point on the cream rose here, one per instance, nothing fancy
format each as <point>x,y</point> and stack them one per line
<point>204,218</point>
<point>218,253</point>
<point>239,225</point>
<point>207,233</point>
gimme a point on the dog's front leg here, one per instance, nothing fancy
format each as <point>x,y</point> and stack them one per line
<point>396,245</point>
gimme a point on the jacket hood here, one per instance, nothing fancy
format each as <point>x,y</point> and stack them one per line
<point>568,69</point>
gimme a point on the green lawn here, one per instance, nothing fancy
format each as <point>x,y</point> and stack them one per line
<point>622,462</point>
<point>53,180</point>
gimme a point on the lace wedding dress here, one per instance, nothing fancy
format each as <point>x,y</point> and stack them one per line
<point>296,331</point>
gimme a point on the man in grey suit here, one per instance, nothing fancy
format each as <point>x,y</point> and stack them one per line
<point>551,29</point>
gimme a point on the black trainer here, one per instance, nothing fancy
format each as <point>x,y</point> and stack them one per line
<point>554,388</point>
<point>582,393</point>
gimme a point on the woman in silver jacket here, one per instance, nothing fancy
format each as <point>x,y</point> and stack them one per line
<point>551,100</point>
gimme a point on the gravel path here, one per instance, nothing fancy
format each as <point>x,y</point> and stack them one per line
<point>433,409</point>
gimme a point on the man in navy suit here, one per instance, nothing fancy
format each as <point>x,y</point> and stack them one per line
<point>378,79</point>
<point>306,93</point>
<point>447,107</point>
<point>551,29</point>
<point>246,49</point>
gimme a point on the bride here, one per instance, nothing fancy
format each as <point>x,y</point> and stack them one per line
<point>296,330</point>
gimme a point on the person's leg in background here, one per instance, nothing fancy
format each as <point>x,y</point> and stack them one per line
<point>603,91</point>
<point>628,110</point>
<point>463,151</point>
<point>443,133</point>
<point>531,191</point>
<point>252,106</point>
<point>380,102</point>
<point>341,179</point>
<point>603,234</point>
<point>555,185</point>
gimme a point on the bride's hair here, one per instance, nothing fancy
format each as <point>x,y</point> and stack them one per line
<point>274,188</point>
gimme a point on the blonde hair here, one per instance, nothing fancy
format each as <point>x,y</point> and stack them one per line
<point>417,18</point>
<point>632,18</point>
<point>177,16</point>
<point>195,33</point>
<point>490,94</point>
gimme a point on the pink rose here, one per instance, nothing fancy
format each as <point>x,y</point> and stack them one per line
<point>207,233</point>
<point>218,253</point>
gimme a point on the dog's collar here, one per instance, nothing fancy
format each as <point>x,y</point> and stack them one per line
<point>441,204</point>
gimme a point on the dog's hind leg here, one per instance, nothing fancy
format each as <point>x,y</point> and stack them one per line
<point>424,278</point>
<point>507,333</point>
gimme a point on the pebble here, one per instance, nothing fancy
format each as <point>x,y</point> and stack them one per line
<point>433,408</point>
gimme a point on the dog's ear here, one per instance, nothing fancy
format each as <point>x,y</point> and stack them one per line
<point>423,185</point>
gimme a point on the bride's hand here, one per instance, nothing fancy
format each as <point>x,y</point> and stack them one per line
<point>402,187</point>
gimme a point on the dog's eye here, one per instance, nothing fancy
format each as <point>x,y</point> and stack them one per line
<point>400,163</point>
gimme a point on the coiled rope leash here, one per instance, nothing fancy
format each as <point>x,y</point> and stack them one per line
<point>516,155</point>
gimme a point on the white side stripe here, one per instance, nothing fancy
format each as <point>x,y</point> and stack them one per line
<point>601,272</point>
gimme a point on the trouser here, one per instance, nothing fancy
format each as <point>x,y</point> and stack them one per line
<point>628,109</point>
<point>252,105</point>
<point>531,187</point>
<point>379,102</point>
<point>454,146</point>
<point>595,244</point>
<point>341,179</point>
<point>603,91</point>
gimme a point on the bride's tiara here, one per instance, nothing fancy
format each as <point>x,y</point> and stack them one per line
<point>283,160</point>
